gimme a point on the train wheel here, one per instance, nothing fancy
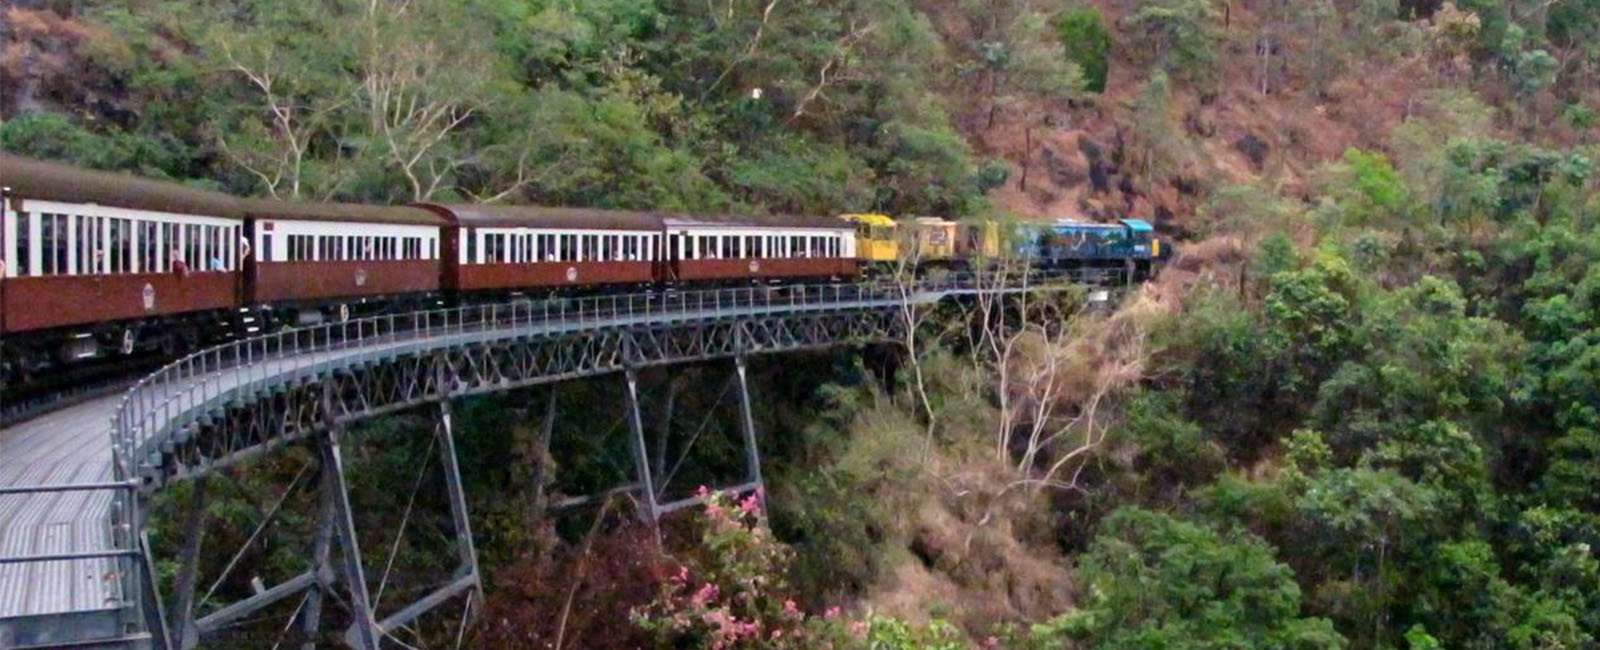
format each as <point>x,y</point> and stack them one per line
<point>128,341</point>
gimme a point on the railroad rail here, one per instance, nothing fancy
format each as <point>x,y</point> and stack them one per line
<point>214,408</point>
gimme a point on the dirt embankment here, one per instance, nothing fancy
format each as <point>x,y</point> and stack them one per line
<point>1088,160</point>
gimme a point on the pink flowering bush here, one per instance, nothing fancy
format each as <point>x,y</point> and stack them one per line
<point>731,595</point>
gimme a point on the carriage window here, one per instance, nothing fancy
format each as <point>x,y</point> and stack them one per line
<point>149,243</point>
<point>121,245</point>
<point>51,245</point>
<point>169,243</point>
<point>88,232</point>
<point>23,256</point>
<point>608,249</point>
<point>217,253</point>
<point>266,248</point>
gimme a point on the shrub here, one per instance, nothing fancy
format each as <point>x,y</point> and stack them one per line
<point>1088,44</point>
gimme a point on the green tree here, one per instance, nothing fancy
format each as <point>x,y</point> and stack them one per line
<point>1156,581</point>
<point>1158,139</point>
<point>1311,320</point>
<point>1180,36</point>
<point>1087,44</point>
<point>1359,521</point>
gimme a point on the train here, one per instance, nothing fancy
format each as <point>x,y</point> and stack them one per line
<point>101,265</point>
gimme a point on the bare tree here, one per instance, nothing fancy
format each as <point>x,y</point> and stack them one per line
<point>914,317</point>
<point>419,86</point>
<point>274,150</point>
<point>1052,371</point>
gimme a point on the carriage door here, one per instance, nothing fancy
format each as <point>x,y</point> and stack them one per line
<point>675,244</point>
<point>9,227</point>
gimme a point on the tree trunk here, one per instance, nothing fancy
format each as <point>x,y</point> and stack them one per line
<point>1027,156</point>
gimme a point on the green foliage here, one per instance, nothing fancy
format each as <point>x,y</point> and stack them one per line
<point>1157,581</point>
<point>1369,188</point>
<point>1152,122</point>
<point>1174,453</point>
<point>1181,36</point>
<point>1578,116</point>
<point>1087,44</point>
<point>814,107</point>
<point>1573,476</point>
<point>1534,71</point>
<point>1310,318</point>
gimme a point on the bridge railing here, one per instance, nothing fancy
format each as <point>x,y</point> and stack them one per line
<point>155,405</point>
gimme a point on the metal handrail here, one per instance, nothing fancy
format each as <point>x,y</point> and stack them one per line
<point>175,390</point>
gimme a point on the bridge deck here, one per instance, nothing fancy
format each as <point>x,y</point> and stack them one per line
<point>70,446</point>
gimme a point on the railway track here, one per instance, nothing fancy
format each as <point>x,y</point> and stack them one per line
<point>69,386</point>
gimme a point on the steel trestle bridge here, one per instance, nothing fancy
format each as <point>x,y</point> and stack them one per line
<point>76,569</point>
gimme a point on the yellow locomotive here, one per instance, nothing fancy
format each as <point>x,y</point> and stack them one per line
<point>881,240</point>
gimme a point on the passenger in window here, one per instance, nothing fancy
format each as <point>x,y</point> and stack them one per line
<point>179,267</point>
<point>217,265</point>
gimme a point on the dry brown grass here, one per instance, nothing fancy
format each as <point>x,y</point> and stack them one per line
<point>975,553</point>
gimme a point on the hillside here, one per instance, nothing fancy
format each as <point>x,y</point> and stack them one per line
<point>1358,411</point>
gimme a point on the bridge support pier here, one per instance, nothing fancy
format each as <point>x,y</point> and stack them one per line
<point>747,425</point>
<point>467,578</point>
<point>193,532</point>
<point>752,454</point>
<point>321,569</point>
<point>641,456</point>
<point>363,633</point>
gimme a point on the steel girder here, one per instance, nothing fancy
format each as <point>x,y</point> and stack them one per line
<point>249,423</point>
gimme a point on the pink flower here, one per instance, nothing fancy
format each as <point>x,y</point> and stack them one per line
<point>746,629</point>
<point>683,575</point>
<point>859,629</point>
<point>789,607</point>
<point>702,492</point>
<point>777,634</point>
<point>751,504</point>
<point>991,642</point>
<point>832,612</point>
<point>705,595</point>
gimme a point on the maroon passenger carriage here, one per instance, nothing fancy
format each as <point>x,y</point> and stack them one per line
<point>732,248</point>
<point>491,248</point>
<point>317,261</point>
<point>97,264</point>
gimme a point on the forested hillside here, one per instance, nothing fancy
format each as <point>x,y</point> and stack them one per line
<point>1360,410</point>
